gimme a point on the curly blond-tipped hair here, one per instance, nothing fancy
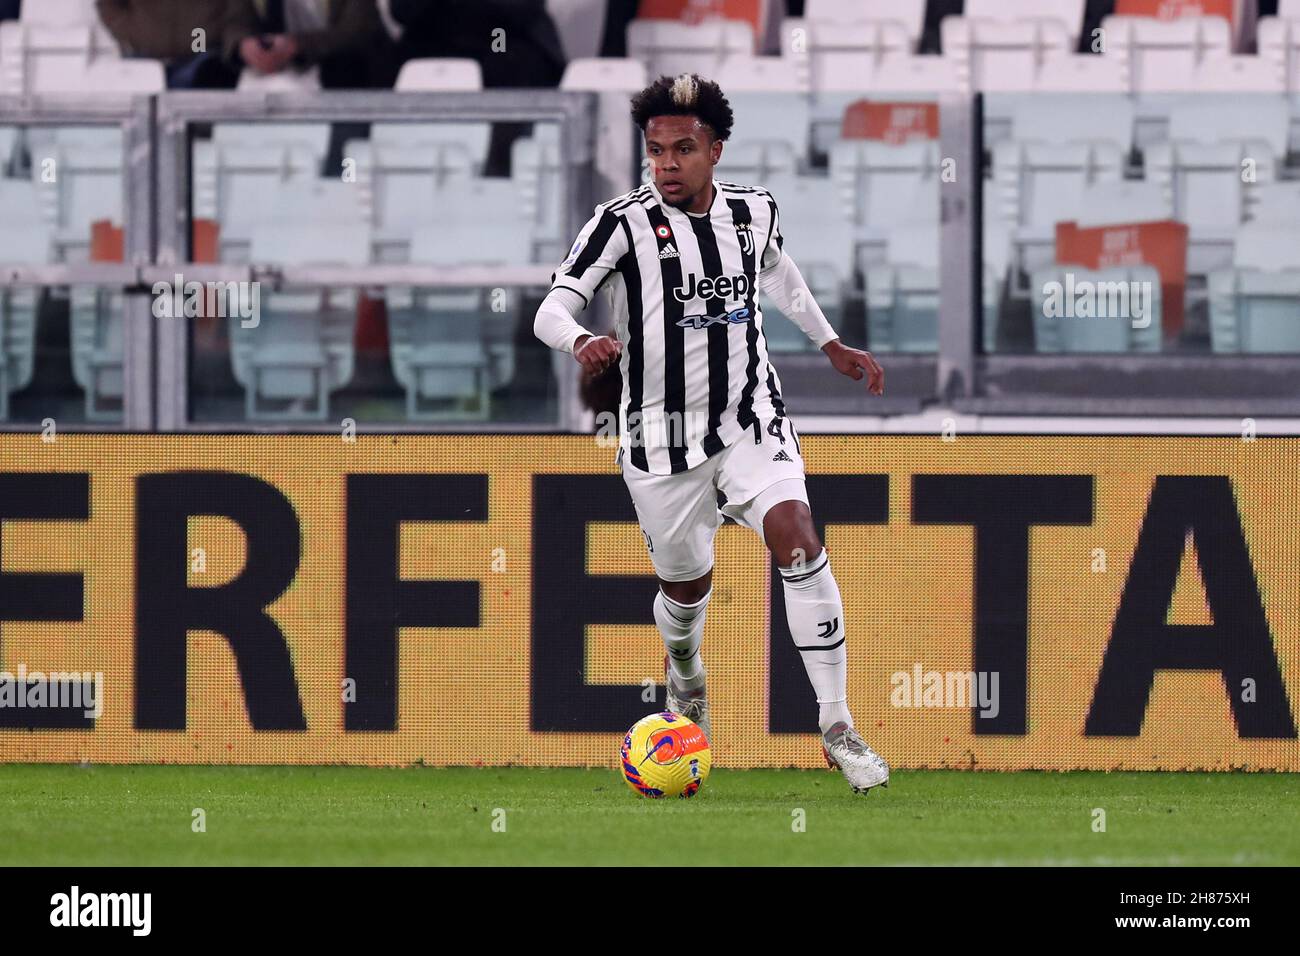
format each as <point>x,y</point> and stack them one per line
<point>686,95</point>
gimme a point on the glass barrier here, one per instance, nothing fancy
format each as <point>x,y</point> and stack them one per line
<point>465,197</point>
<point>1159,223</point>
<point>62,202</point>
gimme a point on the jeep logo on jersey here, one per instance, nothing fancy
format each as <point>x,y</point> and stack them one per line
<point>723,287</point>
<point>704,321</point>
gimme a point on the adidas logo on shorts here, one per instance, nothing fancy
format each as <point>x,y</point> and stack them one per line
<point>782,456</point>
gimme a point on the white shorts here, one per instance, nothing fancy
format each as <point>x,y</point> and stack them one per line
<point>679,513</point>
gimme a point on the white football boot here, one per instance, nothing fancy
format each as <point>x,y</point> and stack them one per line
<point>847,752</point>
<point>693,704</point>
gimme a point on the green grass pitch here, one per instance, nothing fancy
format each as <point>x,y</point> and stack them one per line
<point>113,815</point>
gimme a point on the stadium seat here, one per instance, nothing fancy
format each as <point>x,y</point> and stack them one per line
<point>1059,146</point>
<point>1066,333</point>
<point>236,186</point>
<point>1278,39</point>
<point>275,137</point>
<point>88,187</point>
<point>1278,202</point>
<point>302,347</point>
<point>285,81</point>
<point>669,47</point>
<point>910,14</point>
<point>8,142</point>
<point>1255,304</point>
<point>597,74</point>
<point>1126,200</point>
<point>998,55</point>
<point>1080,73</point>
<point>24,240</point>
<point>59,12</point>
<point>829,55</point>
<point>405,187</point>
<point>1238,74</point>
<point>917,75</point>
<point>820,244</point>
<point>1147,51</point>
<point>441,74</point>
<point>1201,167</point>
<point>902,293</point>
<point>438,75</point>
<point>780,120</point>
<point>1068,13</point>
<point>451,347</point>
<point>96,320</point>
<point>39,58</point>
<point>750,74</point>
<point>538,177</point>
<point>755,162</point>
<point>881,186</point>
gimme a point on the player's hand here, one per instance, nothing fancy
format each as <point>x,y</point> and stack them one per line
<point>595,353</point>
<point>853,362</point>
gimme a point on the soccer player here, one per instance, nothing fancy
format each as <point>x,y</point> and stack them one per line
<point>682,259</point>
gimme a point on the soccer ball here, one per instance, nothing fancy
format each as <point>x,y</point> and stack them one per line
<point>665,755</point>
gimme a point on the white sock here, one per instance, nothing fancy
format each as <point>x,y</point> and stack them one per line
<point>816,617</point>
<point>682,626</point>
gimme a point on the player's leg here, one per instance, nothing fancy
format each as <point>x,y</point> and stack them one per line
<point>679,518</point>
<point>763,480</point>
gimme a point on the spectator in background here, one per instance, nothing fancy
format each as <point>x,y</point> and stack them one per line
<point>167,30</point>
<point>532,54</point>
<point>345,38</point>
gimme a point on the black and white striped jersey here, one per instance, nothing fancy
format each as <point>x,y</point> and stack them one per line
<point>696,372</point>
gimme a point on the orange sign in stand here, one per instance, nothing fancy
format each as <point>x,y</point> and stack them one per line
<point>693,11</point>
<point>1162,245</point>
<point>890,122</point>
<point>107,242</point>
<point>1175,9</point>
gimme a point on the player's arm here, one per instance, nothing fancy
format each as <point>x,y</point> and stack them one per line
<point>594,255</point>
<point>781,281</point>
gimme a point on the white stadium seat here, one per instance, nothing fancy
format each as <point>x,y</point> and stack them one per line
<point>302,347</point>
<point>439,74</point>
<point>597,74</point>
<point>755,161</point>
<point>1254,303</point>
<point>450,348</point>
<point>1279,46</point>
<point>1068,13</point>
<point>1238,74</point>
<point>41,58</point>
<point>829,55</point>
<point>59,12</point>
<point>1149,50</point>
<point>821,244</point>
<point>236,186</point>
<point>1201,167</point>
<point>881,186</point>
<point>670,47</point>
<point>1080,73</point>
<point>24,239</point>
<point>88,189</point>
<point>910,14</point>
<point>314,137</point>
<point>926,75</point>
<point>1125,201</point>
<point>1279,202</point>
<point>537,173</point>
<point>285,81</point>
<point>768,119</point>
<point>758,74</point>
<point>996,55</point>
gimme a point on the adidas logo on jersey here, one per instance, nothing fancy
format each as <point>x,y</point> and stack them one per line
<point>782,456</point>
<point>669,252</point>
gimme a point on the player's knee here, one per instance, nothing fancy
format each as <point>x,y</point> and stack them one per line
<point>790,534</point>
<point>687,592</point>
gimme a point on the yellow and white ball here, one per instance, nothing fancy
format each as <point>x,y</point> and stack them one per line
<point>665,755</point>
